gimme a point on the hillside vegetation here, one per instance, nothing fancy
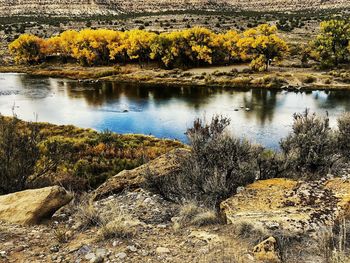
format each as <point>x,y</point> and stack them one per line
<point>114,7</point>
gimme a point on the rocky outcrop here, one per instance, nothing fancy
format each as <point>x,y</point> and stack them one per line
<point>32,206</point>
<point>289,206</point>
<point>113,7</point>
<point>164,165</point>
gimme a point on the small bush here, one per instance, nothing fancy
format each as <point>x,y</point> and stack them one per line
<point>216,166</point>
<point>18,153</point>
<point>309,79</point>
<point>344,135</point>
<point>309,151</point>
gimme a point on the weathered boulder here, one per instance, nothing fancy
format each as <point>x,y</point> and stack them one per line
<point>34,205</point>
<point>164,165</point>
<point>289,206</point>
<point>267,251</point>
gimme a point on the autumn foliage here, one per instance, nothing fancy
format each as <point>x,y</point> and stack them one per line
<point>189,47</point>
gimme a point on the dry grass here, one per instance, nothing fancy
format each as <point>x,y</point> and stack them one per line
<point>118,224</point>
<point>193,215</point>
<point>228,251</point>
<point>121,226</point>
<point>87,215</point>
<point>60,235</point>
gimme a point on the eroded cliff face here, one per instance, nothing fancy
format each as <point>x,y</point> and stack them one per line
<point>105,7</point>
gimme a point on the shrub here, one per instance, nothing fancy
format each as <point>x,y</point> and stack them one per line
<point>18,153</point>
<point>309,79</point>
<point>344,135</point>
<point>216,166</point>
<point>309,150</point>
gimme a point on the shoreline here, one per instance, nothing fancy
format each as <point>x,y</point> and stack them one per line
<point>294,79</point>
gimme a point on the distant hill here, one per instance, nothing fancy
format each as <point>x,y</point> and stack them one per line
<point>106,7</point>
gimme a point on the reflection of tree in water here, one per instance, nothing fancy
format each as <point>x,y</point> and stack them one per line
<point>98,94</point>
<point>333,99</point>
<point>34,87</point>
<point>262,104</point>
<point>261,101</point>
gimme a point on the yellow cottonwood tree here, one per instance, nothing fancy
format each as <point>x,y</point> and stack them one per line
<point>230,41</point>
<point>262,46</point>
<point>188,47</point>
<point>138,44</point>
<point>27,48</point>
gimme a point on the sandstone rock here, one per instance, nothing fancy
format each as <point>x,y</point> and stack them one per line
<point>267,251</point>
<point>132,179</point>
<point>32,206</point>
<point>292,206</point>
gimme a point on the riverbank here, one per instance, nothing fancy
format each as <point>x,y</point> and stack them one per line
<point>81,159</point>
<point>235,76</point>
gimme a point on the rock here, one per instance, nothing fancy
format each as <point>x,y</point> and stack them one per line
<point>292,206</point>
<point>54,249</point>
<point>32,206</point>
<point>164,165</point>
<point>101,252</point>
<point>83,250</point>
<point>162,250</point>
<point>121,255</point>
<point>132,248</point>
<point>90,256</point>
<point>267,251</point>
<point>97,260</point>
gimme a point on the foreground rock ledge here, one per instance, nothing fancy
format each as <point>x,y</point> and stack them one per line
<point>32,206</point>
<point>292,206</point>
<point>164,165</point>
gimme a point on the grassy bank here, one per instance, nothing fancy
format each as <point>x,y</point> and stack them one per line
<point>237,76</point>
<point>79,159</point>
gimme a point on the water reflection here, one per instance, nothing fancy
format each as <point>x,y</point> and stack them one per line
<point>262,115</point>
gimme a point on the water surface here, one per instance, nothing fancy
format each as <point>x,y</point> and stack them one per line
<point>264,116</point>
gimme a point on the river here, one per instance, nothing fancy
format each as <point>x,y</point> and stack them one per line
<point>263,116</point>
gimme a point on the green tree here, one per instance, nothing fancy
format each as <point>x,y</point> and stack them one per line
<point>332,43</point>
<point>18,154</point>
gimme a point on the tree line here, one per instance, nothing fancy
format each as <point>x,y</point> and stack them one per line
<point>189,47</point>
<point>260,46</point>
